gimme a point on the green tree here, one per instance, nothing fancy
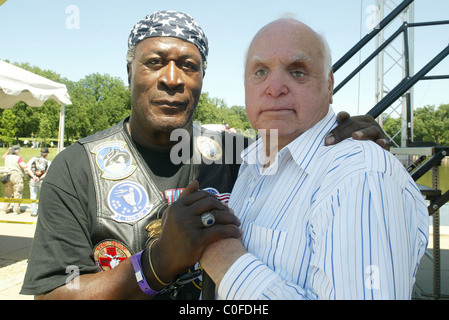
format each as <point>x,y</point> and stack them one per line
<point>215,111</point>
<point>207,111</point>
<point>45,129</point>
<point>98,102</point>
<point>8,128</point>
<point>392,127</point>
<point>236,117</point>
<point>432,124</point>
<point>77,121</point>
<point>28,119</point>
<point>443,115</point>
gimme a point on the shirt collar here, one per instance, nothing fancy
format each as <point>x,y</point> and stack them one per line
<point>301,150</point>
<point>304,148</point>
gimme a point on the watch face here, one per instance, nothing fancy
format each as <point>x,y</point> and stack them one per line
<point>109,253</point>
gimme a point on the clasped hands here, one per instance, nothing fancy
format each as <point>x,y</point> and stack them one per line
<point>185,239</point>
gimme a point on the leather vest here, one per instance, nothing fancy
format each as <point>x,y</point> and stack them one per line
<point>128,199</point>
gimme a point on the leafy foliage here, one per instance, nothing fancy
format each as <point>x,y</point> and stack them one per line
<point>8,128</point>
<point>431,124</point>
<point>100,101</point>
<point>215,111</point>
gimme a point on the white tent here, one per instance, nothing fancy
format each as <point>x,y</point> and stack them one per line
<point>17,84</point>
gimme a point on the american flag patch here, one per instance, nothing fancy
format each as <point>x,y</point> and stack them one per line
<point>223,197</point>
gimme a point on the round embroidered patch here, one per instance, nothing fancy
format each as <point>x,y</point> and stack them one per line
<point>209,148</point>
<point>129,202</point>
<point>109,253</point>
<point>114,160</point>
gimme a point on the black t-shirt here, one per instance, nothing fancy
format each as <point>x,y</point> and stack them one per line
<point>63,243</point>
<point>165,174</point>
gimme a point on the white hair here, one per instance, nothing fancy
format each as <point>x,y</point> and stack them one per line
<point>327,55</point>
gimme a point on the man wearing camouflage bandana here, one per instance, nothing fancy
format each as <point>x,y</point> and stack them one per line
<point>100,234</point>
<point>169,24</point>
<point>166,62</point>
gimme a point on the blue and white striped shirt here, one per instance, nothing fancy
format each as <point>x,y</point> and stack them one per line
<point>339,222</point>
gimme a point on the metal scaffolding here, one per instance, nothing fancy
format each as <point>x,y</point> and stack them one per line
<point>395,56</point>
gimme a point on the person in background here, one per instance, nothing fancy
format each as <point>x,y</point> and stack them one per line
<point>39,166</point>
<point>15,167</point>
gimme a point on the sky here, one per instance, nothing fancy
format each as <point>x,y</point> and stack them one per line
<point>75,38</point>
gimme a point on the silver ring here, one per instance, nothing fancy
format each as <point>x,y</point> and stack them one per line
<point>207,219</point>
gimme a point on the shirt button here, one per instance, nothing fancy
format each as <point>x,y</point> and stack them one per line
<point>251,200</point>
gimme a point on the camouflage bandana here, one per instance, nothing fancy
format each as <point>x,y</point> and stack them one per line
<point>170,24</point>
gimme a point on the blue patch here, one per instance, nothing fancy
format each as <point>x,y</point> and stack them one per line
<point>129,201</point>
<point>114,160</point>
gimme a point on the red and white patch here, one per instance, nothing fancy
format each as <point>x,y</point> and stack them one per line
<point>109,253</point>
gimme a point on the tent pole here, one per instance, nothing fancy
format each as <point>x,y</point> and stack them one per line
<point>61,128</point>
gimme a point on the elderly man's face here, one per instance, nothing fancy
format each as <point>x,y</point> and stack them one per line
<point>165,79</point>
<point>285,83</point>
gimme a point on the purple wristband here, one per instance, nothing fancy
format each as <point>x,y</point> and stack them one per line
<point>143,284</point>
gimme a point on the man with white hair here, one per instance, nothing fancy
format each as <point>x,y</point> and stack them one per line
<point>339,222</point>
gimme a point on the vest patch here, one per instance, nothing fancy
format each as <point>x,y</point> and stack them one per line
<point>109,253</point>
<point>173,194</point>
<point>114,160</point>
<point>209,148</point>
<point>223,197</point>
<point>129,202</point>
